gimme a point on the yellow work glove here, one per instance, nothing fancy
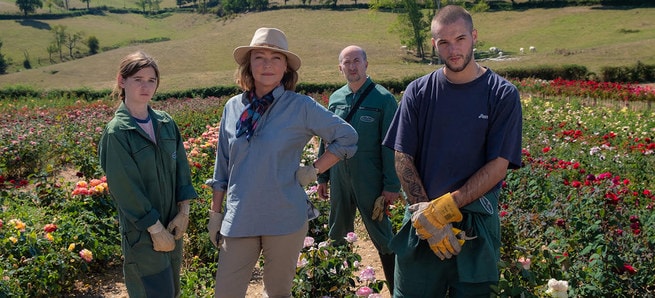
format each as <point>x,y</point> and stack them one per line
<point>438,212</point>
<point>214,227</point>
<point>162,240</point>
<point>378,208</point>
<point>180,223</point>
<point>306,175</point>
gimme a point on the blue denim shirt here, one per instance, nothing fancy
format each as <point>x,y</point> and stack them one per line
<point>263,195</point>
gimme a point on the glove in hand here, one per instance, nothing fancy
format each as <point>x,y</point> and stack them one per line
<point>214,227</point>
<point>180,223</point>
<point>448,246</point>
<point>438,212</point>
<point>447,242</point>
<point>306,175</point>
<point>162,240</point>
<point>379,208</point>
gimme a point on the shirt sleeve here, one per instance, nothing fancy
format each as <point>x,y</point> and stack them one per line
<point>391,182</point>
<point>340,137</point>
<point>402,135</point>
<point>325,176</point>
<point>220,178</point>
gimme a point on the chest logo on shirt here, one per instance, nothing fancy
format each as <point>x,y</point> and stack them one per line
<point>483,116</point>
<point>174,155</point>
<point>367,119</point>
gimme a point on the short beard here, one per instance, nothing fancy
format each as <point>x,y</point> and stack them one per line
<point>353,78</point>
<point>467,60</point>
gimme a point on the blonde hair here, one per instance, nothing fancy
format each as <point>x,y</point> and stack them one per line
<point>130,65</point>
<point>245,80</point>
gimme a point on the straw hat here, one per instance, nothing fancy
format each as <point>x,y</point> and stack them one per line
<point>270,39</point>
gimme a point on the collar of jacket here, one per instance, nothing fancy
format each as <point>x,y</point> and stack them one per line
<point>126,122</point>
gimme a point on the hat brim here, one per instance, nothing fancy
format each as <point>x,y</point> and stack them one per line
<point>241,54</point>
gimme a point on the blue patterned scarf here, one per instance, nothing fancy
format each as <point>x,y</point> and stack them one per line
<point>248,120</point>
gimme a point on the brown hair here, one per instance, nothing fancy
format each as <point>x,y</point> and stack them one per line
<point>246,81</point>
<point>450,14</point>
<point>130,65</point>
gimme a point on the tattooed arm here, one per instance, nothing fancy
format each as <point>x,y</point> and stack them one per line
<point>481,182</point>
<point>409,178</point>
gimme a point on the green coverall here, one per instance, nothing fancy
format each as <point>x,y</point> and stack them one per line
<point>356,183</point>
<point>146,181</point>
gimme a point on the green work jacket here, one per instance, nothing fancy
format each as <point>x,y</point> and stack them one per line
<point>145,179</point>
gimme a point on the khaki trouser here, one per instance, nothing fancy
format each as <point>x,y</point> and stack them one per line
<point>239,255</point>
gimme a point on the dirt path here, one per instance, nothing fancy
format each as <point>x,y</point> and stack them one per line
<point>109,284</point>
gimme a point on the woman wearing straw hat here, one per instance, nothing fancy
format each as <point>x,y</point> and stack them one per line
<point>262,136</point>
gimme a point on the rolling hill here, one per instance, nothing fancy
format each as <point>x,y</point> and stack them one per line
<point>198,48</point>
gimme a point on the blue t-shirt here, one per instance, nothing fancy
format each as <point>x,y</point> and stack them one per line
<point>452,130</point>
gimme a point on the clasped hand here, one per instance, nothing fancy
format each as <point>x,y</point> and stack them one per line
<point>432,221</point>
<point>180,223</point>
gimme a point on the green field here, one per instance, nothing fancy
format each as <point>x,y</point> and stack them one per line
<point>199,50</point>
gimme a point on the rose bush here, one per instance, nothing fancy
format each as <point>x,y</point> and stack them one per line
<point>576,219</point>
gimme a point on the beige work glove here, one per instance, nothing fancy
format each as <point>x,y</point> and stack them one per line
<point>162,240</point>
<point>306,175</point>
<point>214,227</point>
<point>445,242</point>
<point>180,223</point>
<point>379,207</point>
<point>438,213</point>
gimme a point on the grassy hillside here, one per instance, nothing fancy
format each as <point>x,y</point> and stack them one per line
<point>199,52</point>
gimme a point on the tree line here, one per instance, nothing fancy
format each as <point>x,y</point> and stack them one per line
<point>237,6</point>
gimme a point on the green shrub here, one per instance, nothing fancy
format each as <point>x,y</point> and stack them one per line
<point>639,73</point>
<point>546,72</point>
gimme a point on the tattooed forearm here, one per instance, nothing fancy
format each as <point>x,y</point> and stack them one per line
<point>409,178</point>
<point>481,182</point>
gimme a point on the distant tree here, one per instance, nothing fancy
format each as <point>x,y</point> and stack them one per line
<point>258,5</point>
<point>28,6</point>
<point>3,62</point>
<point>87,3</point>
<point>142,4</point>
<point>49,4</point>
<point>234,6</point>
<point>202,6</point>
<point>52,49</point>
<point>59,32</point>
<point>154,5</point>
<point>94,45</point>
<point>148,5</point>
<point>71,42</point>
<point>417,28</point>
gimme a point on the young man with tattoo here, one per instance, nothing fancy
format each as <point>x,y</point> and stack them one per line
<point>456,132</point>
